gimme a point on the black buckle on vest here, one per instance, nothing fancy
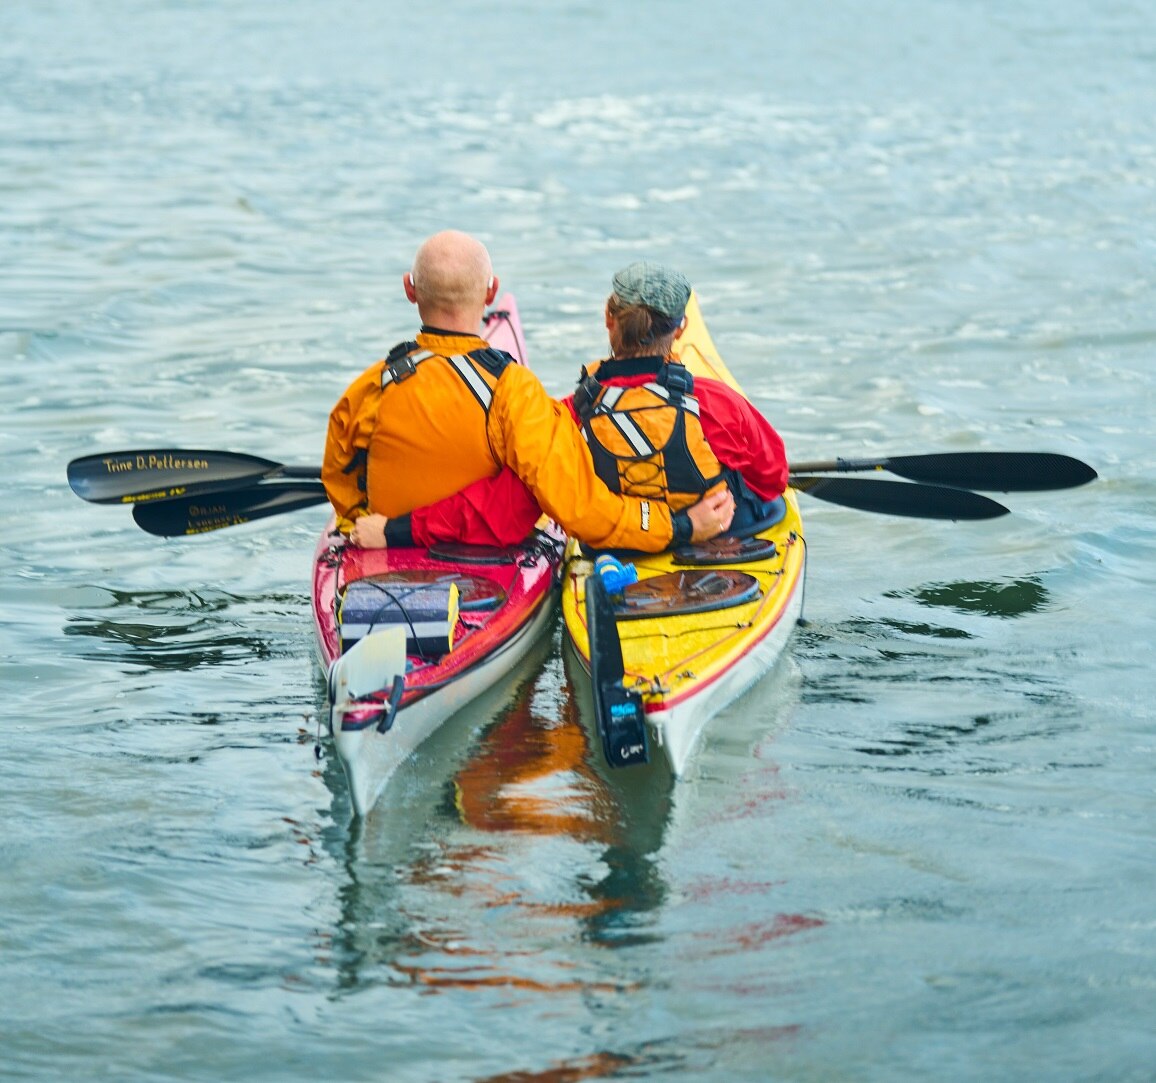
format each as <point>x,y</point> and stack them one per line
<point>400,350</point>
<point>493,361</point>
<point>676,379</point>
<point>401,370</point>
<point>399,363</point>
<point>586,395</point>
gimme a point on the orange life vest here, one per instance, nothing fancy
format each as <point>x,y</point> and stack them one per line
<point>647,440</point>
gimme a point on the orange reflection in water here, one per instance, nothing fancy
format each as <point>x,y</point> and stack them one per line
<point>533,774</point>
<point>596,1066</point>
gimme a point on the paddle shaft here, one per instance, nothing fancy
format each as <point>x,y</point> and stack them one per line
<point>210,490</point>
<point>234,504</point>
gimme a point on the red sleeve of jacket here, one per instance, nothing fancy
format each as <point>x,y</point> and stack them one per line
<point>742,438</point>
<point>492,511</point>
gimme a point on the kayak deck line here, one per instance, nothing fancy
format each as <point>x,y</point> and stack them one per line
<point>657,688</point>
<point>653,683</point>
<point>462,657</point>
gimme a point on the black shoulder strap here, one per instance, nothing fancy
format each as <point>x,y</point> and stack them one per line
<point>493,361</point>
<point>399,363</point>
<point>586,396</point>
<point>677,380</point>
<point>400,350</point>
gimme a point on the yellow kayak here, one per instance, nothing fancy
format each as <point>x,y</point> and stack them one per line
<point>698,628</point>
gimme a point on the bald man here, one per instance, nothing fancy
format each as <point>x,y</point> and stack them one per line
<point>447,414</point>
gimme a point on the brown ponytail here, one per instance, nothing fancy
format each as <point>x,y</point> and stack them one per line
<point>637,330</point>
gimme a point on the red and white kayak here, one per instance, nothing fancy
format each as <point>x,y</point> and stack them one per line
<point>436,627</point>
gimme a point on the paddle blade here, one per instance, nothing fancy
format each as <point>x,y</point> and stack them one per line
<point>992,471</point>
<point>129,477</point>
<point>901,498</point>
<point>617,709</point>
<point>995,471</point>
<point>198,515</point>
<point>370,665</point>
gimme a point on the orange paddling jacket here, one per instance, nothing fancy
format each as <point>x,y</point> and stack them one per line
<point>445,411</point>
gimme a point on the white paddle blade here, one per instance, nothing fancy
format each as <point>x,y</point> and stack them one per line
<point>370,665</point>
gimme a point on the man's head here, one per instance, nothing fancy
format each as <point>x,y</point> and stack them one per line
<point>645,312</point>
<point>451,281</point>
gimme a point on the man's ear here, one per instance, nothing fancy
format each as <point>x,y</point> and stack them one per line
<point>410,288</point>
<point>681,328</point>
<point>492,289</point>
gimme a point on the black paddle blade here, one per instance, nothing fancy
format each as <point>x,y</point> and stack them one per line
<point>199,515</point>
<point>991,471</point>
<point>130,477</point>
<point>995,471</point>
<point>617,709</point>
<point>901,498</point>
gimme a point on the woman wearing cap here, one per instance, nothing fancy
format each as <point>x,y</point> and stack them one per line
<point>655,431</point>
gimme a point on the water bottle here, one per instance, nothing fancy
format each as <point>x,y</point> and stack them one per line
<point>615,575</point>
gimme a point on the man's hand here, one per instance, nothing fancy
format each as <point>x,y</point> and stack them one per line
<point>710,516</point>
<point>369,531</point>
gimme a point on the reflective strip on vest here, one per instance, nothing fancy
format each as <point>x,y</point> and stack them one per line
<point>465,369</point>
<point>609,398</point>
<point>633,435</point>
<point>479,387</point>
<point>629,432</point>
<point>611,394</point>
<point>688,402</point>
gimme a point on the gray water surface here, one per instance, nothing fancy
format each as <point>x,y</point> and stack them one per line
<point>922,848</point>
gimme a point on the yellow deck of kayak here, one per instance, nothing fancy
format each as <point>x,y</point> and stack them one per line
<point>688,667</point>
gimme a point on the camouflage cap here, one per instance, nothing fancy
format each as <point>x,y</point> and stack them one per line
<point>659,288</point>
